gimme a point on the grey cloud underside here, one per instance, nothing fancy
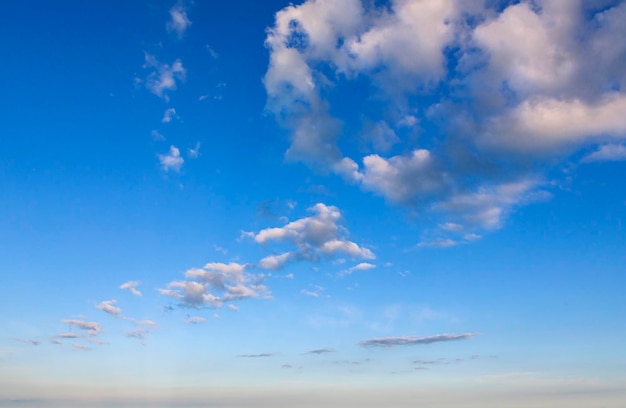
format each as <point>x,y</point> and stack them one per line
<point>321,351</point>
<point>386,342</point>
<point>465,135</point>
<point>256,355</point>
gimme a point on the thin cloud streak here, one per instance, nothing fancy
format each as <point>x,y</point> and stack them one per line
<point>387,342</point>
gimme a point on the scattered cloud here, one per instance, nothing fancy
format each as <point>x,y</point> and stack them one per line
<point>97,341</point>
<point>81,347</point>
<point>314,236</point>
<point>139,334</point>
<point>169,115</point>
<point>234,308</point>
<point>92,328</point>
<point>164,77</point>
<point>310,293</point>
<point>29,341</point>
<point>131,286</point>
<point>212,52</point>
<point>107,306</point>
<point>609,152</point>
<point>195,152</point>
<point>321,351</point>
<point>256,355</point>
<point>387,342</point>
<point>215,284</point>
<point>67,336</point>
<point>172,160</point>
<point>179,22</point>
<point>195,320</point>
<point>363,266</point>
<point>157,136</point>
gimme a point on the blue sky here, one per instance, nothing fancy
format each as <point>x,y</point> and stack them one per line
<point>325,203</point>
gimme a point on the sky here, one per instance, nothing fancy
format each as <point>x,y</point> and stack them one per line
<point>339,203</point>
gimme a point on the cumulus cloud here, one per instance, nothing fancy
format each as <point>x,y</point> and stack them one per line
<point>528,85</point>
<point>215,284</point>
<point>172,160</point>
<point>387,342</point>
<point>92,328</point>
<point>164,77</point>
<point>131,286</point>
<point>318,235</point>
<point>179,22</point>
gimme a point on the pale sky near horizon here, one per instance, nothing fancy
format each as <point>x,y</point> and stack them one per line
<point>338,203</point>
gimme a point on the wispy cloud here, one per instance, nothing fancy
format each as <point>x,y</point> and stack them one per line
<point>172,160</point>
<point>195,320</point>
<point>92,328</point>
<point>131,286</point>
<point>169,115</point>
<point>194,152</point>
<point>81,347</point>
<point>609,152</point>
<point>179,22</point>
<point>29,341</point>
<point>321,351</point>
<point>387,342</point>
<point>363,266</point>
<point>256,355</point>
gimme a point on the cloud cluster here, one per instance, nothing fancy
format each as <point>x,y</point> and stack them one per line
<point>472,103</point>
<point>216,284</point>
<point>319,235</point>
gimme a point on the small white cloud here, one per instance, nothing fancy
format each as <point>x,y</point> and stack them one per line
<point>81,347</point>
<point>168,115</point>
<point>212,52</point>
<point>179,22</point>
<point>233,307</point>
<point>92,328</point>
<point>195,152</point>
<point>157,136</point>
<point>195,320</point>
<point>107,306</point>
<point>165,76</point>
<point>610,152</point>
<point>131,286</point>
<point>172,160</point>
<point>363,266</point>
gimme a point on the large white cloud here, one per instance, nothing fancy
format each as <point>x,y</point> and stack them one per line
<point>470,99</point>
